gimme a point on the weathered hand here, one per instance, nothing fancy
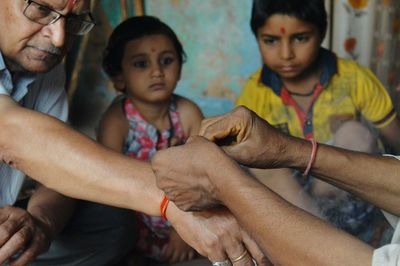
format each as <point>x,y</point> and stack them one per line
<point>183,173</point>
<point>23,235</point>
<point>177,250</point>
<point>216,235</point>
<point>247,138</point>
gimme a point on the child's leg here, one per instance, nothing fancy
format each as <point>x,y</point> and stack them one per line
<point>351,135</point>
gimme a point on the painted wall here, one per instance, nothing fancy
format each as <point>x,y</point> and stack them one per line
<point>221,48</point>
<point>216,36</point>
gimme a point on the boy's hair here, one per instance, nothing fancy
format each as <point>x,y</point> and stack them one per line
<point>132,29</point>
<point>311,11</point>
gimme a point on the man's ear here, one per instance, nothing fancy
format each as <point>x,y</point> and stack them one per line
<point>119,83</point>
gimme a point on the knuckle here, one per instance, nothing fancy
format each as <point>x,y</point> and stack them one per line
<point>6,230</point>
<point>262,259</point>
<point>23,235</point>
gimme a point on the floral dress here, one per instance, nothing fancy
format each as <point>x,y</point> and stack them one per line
<point>142,142</point>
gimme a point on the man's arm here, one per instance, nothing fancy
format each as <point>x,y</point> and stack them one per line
<point>286,233</point>
<point>257,144</point>
<point>29,233</point>
<point>68,162</point>
<point>51,208</point>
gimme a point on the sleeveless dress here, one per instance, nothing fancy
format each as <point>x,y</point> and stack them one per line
<point>142,142</point>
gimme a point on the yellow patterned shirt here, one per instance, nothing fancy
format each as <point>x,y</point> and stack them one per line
<point>347,90</point>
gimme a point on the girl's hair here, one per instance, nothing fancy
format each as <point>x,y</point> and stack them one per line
<point>311,11</point>
<point>132,29</point>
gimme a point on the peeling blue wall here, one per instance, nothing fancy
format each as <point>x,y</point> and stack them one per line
<point>222,51</point>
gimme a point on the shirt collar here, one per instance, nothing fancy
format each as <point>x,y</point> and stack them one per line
<point>17,88</point>
<point>328,62</point>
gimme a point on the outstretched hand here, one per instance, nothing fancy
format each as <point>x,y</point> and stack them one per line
<point>22,236</point>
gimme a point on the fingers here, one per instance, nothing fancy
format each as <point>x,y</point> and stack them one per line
<point>214,128</point>
<point>254,250</point>
<point>15,244</point>
<point>242,259</point>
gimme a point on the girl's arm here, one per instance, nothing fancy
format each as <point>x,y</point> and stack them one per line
<point>113,128</point>
<point>190,114</point>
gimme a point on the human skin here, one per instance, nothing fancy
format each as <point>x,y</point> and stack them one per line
<point>68,162</point>
<point>271,220</point>
<point>150,71</point>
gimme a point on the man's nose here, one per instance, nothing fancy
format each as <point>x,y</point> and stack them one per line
<point>56,32</point>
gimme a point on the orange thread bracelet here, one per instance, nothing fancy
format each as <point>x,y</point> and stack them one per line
<point>312,157</point>
<point>163,207</point>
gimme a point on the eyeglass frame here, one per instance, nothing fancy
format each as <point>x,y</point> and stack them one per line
<point>59,16</point>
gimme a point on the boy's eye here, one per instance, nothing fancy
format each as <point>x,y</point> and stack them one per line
<point>301,38</point>
<point>140,64</point>
<point>166,61</point>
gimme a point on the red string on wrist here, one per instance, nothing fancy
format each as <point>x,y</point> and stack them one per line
<point>163,207</point>
<point>312,157</point>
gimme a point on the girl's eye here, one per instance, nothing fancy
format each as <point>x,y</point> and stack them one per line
<point>167,61</point>
<point>140,64</point>
<point>270,41</point>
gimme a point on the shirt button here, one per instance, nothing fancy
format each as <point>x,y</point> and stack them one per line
<point>308,123</point>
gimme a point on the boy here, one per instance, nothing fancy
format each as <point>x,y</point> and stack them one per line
<point>306,91</point>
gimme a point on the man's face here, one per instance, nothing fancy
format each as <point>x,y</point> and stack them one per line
<point>30,46</point>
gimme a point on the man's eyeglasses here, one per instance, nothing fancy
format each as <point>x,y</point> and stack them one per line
<point>74,24</point>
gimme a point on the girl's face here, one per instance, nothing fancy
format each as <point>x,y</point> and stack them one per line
<point>150,69</point>
<point>288,46</point>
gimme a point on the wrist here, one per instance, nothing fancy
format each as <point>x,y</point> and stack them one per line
<point>163,207</point>
<point>45,221</point>
<point>297,154</point>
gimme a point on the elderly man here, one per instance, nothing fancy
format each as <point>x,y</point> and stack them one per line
<point>34,37</point>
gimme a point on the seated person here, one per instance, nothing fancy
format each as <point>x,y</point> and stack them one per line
<point>306,91</point>
<point>144,60</point>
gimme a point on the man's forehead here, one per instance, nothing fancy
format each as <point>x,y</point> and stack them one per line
<point>74,5</point>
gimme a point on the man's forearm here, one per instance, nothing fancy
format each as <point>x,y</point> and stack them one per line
<point>51,208</point>
<point>72,164</point>
<point>356,172</point>
<point>286,233</point>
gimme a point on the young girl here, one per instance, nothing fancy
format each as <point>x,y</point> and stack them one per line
<point>143,60</point>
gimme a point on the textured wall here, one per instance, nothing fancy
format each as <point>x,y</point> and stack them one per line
<point>216,35</point>
<point>221,49</point>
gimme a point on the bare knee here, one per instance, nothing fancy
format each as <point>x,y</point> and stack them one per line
<point>353,135</point>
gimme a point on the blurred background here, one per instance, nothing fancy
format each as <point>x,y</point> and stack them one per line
<point>222,51</point>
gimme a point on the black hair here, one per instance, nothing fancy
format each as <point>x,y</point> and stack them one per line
<point>131,29</point>
<point>311,11</point>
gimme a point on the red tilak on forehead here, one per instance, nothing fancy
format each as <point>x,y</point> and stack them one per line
<point>283,30</point>
<point>153,50</point>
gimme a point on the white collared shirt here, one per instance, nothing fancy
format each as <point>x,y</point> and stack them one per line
<point>40,92</point>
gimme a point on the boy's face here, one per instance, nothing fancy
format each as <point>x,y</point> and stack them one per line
<point>288,46</point>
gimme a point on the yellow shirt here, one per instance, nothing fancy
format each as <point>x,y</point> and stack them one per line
<point>348,89</point>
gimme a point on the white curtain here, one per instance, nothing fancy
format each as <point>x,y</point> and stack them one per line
<point>368,31</point>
